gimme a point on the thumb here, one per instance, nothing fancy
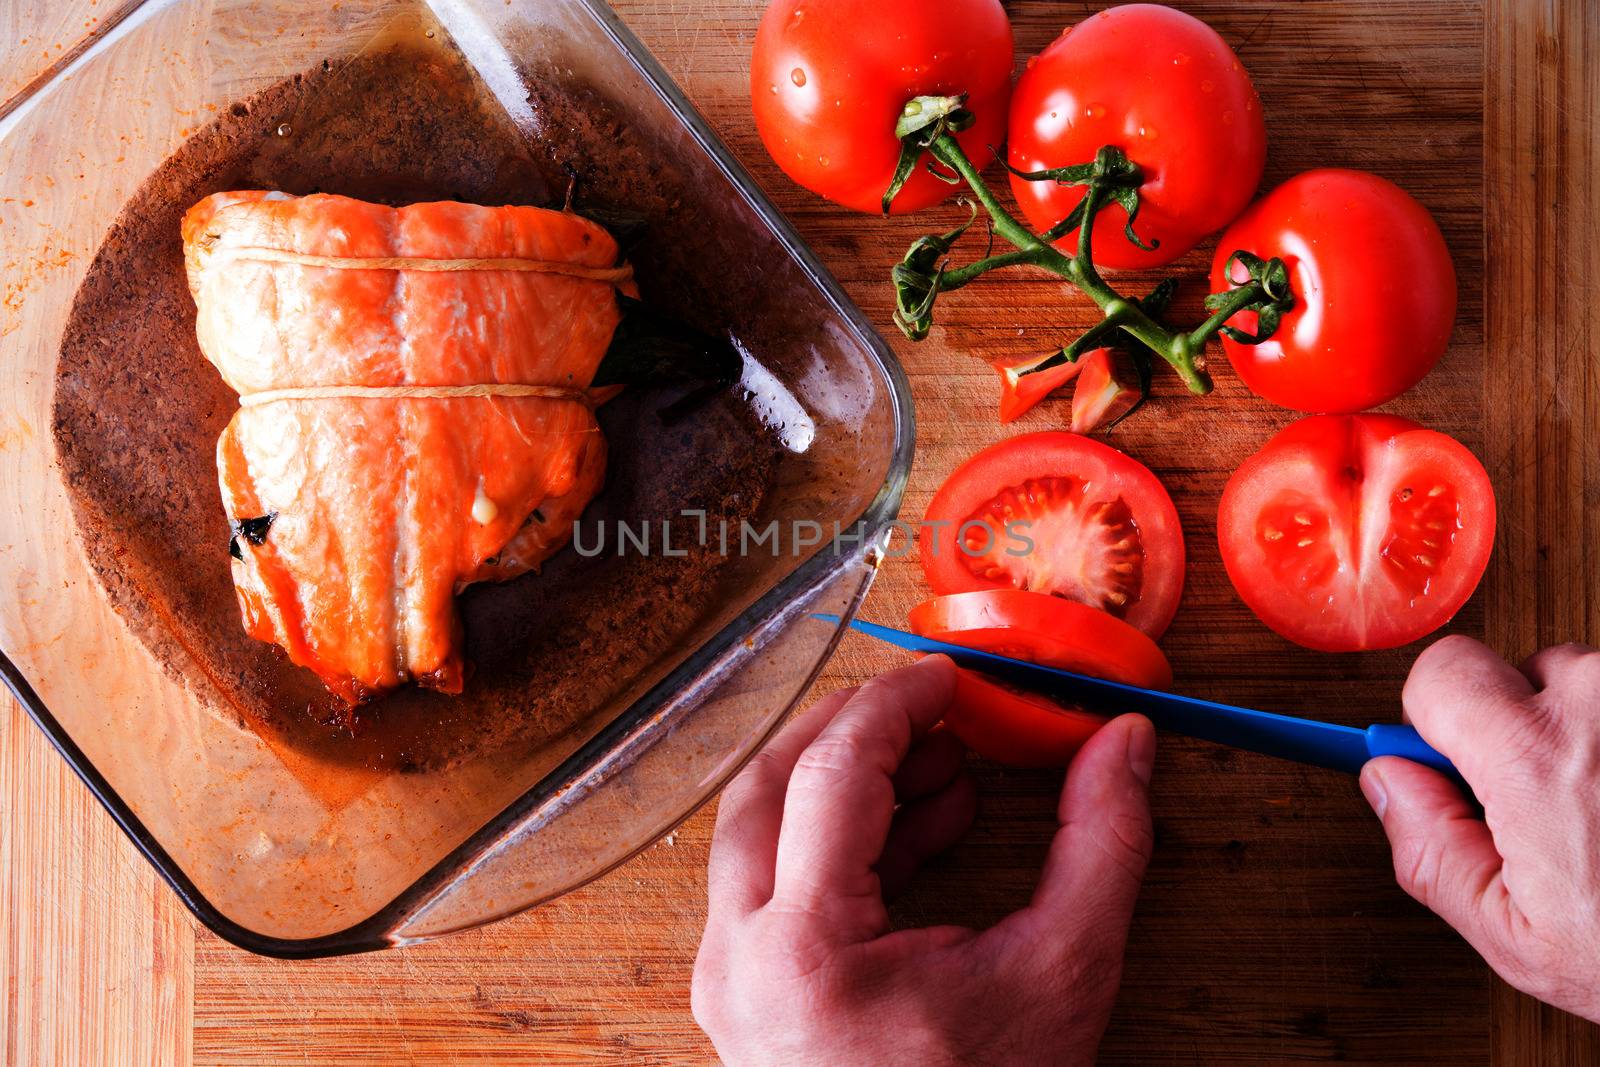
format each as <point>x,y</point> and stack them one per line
<point>1444,855</point>
<point>1097,861</point>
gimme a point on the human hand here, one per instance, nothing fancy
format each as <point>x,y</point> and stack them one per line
<point>798,963</point>
<point>1522,885</point>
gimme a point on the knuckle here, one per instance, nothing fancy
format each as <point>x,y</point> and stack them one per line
<point>843,751</point>
<point>1126,840</point>
<point>1419,868</point>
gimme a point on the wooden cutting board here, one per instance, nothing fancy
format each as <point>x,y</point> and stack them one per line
<point>1270,930</point>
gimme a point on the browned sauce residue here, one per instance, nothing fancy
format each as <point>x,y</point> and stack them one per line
<point>138,410</point>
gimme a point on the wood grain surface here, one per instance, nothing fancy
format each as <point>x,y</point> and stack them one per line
<point>1270,930</point>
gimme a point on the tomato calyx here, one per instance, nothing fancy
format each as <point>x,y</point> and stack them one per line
<point>1111,171</point>
<point>922,121</point>
<point>1265,290</point>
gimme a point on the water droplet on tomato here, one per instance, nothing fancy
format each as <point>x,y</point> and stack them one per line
<point>1094,111</point>
<point>1208,86</point>
<point>1227,118</point>
<point>1147,132</point>
<point>1181,59</point>
<point>1031,61</point>
<point>823,160</point>
<point>797,76</point>
<point>774,88</point>
<point>284,129</point>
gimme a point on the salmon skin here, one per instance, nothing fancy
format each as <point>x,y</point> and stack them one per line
<point>358,518</point>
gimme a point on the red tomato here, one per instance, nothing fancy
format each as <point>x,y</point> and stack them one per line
<point>1047,630</point>
<point>1350,532</point>
<point>1020,391</point>
<point>1023,729</point>
<point>1375,292</point>
<point>829,79</point>
<point>1167,90</point>
<point>1058,513</point>
<point>1016,728</point>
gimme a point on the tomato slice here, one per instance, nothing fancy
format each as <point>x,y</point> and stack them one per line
<point>1021,390</point>
<point>1057,513</point>
<point>1046,630</point>
<point>1352,532</point>
<point>1015,728</point>
<point>1019,728</point>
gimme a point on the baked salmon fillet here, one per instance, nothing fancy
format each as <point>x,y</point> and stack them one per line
<point>415,413</point>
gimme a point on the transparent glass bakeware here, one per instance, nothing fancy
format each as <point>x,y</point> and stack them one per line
<point>292,851</point>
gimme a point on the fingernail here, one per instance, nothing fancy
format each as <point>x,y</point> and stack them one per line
<point>1142,750</point>
<point>1372,788</point>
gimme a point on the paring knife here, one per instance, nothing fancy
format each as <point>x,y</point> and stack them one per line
<point>1321,744</point>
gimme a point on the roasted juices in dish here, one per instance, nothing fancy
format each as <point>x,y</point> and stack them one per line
<point>415,413</point>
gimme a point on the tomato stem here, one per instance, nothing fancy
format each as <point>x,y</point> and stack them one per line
<point>1110,178</point>
<point>1034,250</point>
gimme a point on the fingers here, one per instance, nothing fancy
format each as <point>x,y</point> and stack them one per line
<point>1444,855</point>
<point>932,764</point>
<point>1086,894</point>
<point>744,847</point>
<point>1551,667</point>
<point>1471,705</point>
<point>840,800</point>
<point>924,828</point>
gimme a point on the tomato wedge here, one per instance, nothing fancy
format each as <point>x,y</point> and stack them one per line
<point>1021,387</point>
<point>1057,513</point>
<point>1352,532</point>
<point>1046,630</point>
<point>1019,728</point>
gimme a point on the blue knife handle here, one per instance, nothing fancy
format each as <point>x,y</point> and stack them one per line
<point>1386,739</point>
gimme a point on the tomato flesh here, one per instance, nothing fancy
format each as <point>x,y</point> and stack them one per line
<point>1167,90</point>
<point>1046,630</point>
<point>1058,513</point>
<point>1358,532</point>
<point>1021,387</point>
<point>1024,729</point>
<point>829,79</point>
<point>1016,728</point>
<point>1103,393</point>
<point>1374,289</point>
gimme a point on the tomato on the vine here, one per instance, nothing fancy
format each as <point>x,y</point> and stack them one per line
<point>1374,292</point>
<point>1357,532</point>
<point>1020,728</point>
<point>1058,513</point>
<point>1166,89</point>
<point>829,79</point>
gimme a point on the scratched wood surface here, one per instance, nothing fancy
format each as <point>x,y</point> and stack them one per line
<point>1270,930</point>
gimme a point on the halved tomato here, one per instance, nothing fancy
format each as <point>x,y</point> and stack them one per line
<point>1019,728</point>
<point>1352,532</point>
<point>1046,630</point>
<point>1061,514</point>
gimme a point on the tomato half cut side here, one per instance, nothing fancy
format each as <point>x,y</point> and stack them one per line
<point>1061,514</point>
<point>1347,533</point>
<point>1046,630</point>
<point>1015,728</point>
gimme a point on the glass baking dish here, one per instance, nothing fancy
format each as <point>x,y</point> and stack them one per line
<point>614,693</point>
